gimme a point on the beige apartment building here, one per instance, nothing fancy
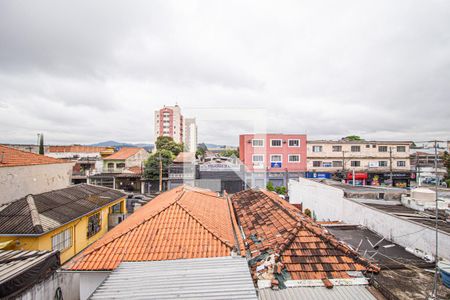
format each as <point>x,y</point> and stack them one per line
<point>372,161</point>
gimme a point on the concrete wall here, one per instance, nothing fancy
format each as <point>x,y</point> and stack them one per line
<point>328,203</point>
<point>17,182</point>
<point>89,282</point>
<point>68,283</point>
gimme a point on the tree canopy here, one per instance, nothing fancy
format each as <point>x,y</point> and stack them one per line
<point>166,150</point>
<point>230,152</point>
<point>353,138</point>
<point>167,143</point>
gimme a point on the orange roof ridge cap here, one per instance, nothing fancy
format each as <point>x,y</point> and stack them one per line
<point>236,230</point>
<point>113,238</point>
<point>203,225</point>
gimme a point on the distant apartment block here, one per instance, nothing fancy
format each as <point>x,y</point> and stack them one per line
<point>169,122</point>
<point>272,157</point>
<point>372,161</point>
<point>190,135</point>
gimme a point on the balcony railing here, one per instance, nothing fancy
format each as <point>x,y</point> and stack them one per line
<point>113,170</point>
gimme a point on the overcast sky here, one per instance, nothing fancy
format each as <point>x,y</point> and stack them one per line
<point>90,71</point>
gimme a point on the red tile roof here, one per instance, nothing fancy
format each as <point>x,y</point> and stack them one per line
<point>10,157</point>
<point>181,223</point>
<point>76,148</point>
<point>300,246</point>
<point>123,153</point>
<point>134,170</point>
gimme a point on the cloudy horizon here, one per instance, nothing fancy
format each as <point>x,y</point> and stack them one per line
<point>85,72</point>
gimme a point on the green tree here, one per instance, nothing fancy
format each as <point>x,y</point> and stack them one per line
<point>353,138</point>
<point>269,186</point>
<point>308,212</point>
<point>230,152</point>
<point>200,152</point>
<point>167,143</point>
<point>446,161</point>
<point>281,190</point>
<point>151,170</point>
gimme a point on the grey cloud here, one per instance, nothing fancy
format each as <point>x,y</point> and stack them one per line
<point>86,71</point>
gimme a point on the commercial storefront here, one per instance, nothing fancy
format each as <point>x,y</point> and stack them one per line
<point>360,178</point>
<point>400,179</point>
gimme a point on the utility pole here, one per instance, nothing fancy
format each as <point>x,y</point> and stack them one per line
<point>390,166</point>
<point>160,173</point>
<point>436,268</point>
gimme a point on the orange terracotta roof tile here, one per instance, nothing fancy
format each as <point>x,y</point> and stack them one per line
<point>75,148</point>
<point>10,157</point>
<point>181,223</point>
<point>123,153</point>
<point>274,227</point>
<point>134,170</point>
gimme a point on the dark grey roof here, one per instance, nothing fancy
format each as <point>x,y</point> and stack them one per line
<point>198,278</point>
<point>20,270</point>
<point>53,208</point>
<point>373,247</point>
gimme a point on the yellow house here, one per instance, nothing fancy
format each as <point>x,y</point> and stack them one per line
<point>67,219</point>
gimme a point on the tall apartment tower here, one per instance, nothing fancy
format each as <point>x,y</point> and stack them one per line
<point>169,122</point>
<point>190,135</point>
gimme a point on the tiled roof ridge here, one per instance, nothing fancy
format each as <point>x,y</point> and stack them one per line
<point>214,233</point>
<point>236,231</point>
<point>189,188</point>
<point>318,230</point>
<point>136,226</point>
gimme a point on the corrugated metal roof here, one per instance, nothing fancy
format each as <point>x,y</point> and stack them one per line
<point>20,270</point>
<point>359,292</point>
<point>200,278</point>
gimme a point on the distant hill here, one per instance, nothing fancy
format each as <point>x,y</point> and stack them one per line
<point>148,147</point>
<point>216,146</point>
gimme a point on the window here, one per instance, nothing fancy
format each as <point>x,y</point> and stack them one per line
<point>317,163</point>
<point>275,143</point>
<point>294,143</point>
<point>382,163</point>
<point>367,146</point>
<point>356,148</point>
<point>327,164</point>
<point>116,208</point>
<point>110,165</point>
<point>120,165</point>
<point>258,158</point>
<point>355,163</point>
<point>382,148</point>
<point>275,158</point>
<point>317,148</point>
<point>337,148</point>
<point>94,225</point>
<point>337,164</point>
<point>401,149</point>
<point>258,143</point>
<point>62,240</point>
<point>401,163</point>
<point>294,158</point>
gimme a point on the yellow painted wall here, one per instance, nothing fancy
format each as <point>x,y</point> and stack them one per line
<point>79,234</point>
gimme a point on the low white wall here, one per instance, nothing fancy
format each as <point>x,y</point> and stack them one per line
<point>67,282</point>
<point>17,182</point>
<point>328,203</point>
<point>90,281</point>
